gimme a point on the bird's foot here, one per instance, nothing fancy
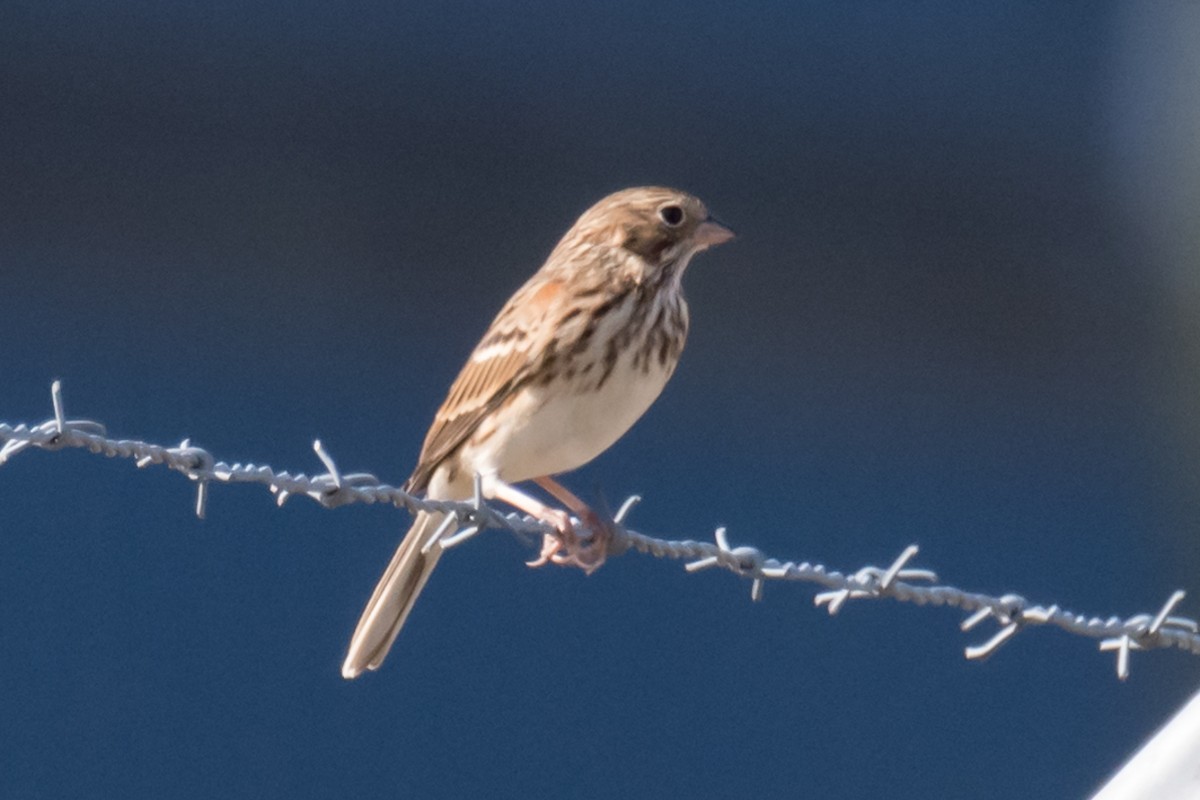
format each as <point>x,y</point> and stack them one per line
<point>565,548</point>
<point>591,556</point>
<point>564,532</point>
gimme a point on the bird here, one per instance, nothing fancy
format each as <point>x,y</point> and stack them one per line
<point>573,359</point>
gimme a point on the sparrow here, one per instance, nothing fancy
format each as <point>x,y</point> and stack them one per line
<point>572,360</point>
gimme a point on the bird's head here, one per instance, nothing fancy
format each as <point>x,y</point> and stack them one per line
<point>657,230</point>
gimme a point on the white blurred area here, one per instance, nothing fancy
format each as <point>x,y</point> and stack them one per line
<point>1167,767</point>
<point>1154,119</point>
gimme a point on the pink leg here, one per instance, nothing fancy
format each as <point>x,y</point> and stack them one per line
<point>552,542</point>
<point>591,557</point>
<point>562,494</point>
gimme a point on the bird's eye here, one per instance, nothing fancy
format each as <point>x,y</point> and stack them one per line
<point>672,215</point>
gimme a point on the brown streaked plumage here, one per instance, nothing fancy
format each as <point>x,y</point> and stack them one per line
<point>576,355</point>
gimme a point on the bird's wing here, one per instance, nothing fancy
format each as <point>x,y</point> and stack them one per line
<point>510,351</point>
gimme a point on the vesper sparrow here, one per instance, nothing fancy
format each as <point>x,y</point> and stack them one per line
<point>573,359</point>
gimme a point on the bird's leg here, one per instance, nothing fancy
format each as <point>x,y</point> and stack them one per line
<point>588,557</point>
<point>591,557</point>
<point>564,534</point>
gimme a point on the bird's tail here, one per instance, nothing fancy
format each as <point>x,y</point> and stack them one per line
<point>395,596</point>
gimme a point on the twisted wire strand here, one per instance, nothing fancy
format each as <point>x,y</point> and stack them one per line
<point>1011,612</point>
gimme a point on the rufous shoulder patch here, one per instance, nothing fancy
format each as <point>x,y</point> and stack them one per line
<point>546,294</point>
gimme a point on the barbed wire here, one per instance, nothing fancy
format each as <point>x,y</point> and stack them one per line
<point>1011,612</point>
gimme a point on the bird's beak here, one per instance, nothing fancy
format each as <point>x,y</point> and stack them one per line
<point>710,232</point>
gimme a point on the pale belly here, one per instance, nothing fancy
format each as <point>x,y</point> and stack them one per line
<point>553,431</point>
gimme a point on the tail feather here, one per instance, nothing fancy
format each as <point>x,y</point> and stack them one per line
<point>394,597</point>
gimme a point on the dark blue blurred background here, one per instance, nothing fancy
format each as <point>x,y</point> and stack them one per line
<point>962,311</point>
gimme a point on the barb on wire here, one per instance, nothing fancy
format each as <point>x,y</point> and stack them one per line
<point>898,581</point>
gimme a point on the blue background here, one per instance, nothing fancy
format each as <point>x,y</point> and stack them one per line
<point>962,312</point>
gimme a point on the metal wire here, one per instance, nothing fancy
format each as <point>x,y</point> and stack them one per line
<point>898,581</point>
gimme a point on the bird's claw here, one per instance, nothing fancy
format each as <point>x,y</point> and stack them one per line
<point>566,549</point>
